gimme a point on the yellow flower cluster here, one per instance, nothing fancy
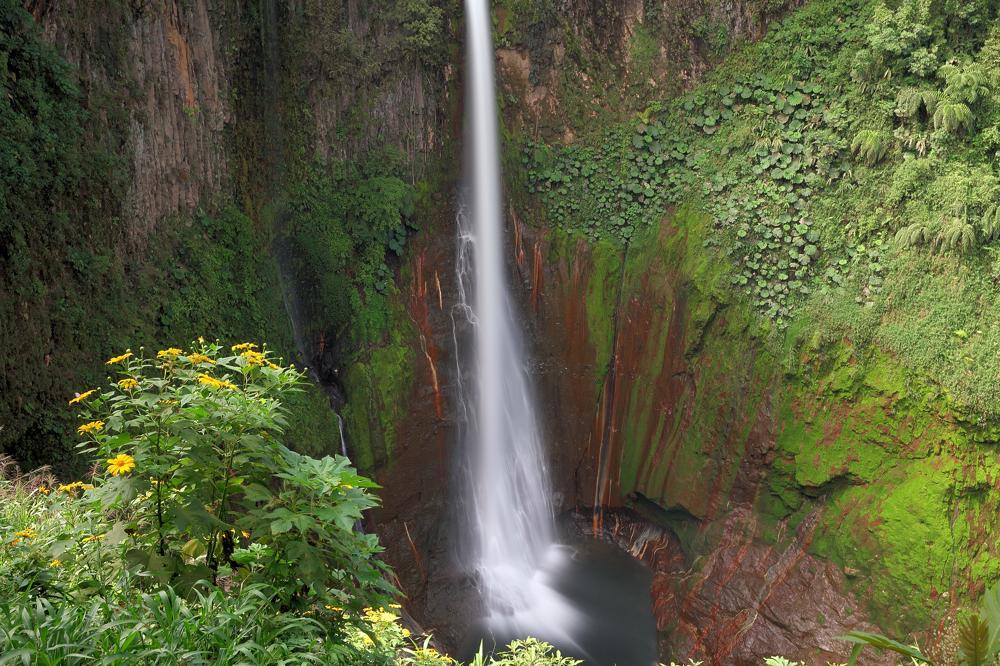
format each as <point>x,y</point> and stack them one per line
<point>208,380</point>
<point>92,538</point>
<point>169,354</point>
<point>423,654</point>
<point>26,533</point>
<point>93,426</point>
<point>128,384</point>
<point>82,396</point>
<point>44,490</point>
<point>119,359</point>
<point>55,563</point>
<point>254,357</point>
<point>75,486</point>
<point>200,358</point>
<point>121,464</point>
<point>244,346</point>
<point>379,616</point>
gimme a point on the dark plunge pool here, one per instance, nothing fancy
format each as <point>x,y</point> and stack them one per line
<point>592,602</point>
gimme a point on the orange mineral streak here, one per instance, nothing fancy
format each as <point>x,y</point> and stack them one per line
<point>518,238</point>
<point>537,271</point>
<point>420,312</point>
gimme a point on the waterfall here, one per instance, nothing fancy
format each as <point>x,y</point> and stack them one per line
<point>511,529</point>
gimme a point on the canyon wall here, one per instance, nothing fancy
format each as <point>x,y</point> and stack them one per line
<point>783,487</point>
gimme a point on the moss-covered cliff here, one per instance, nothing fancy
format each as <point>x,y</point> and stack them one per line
<point>179,169</point>
<point>777,284</point>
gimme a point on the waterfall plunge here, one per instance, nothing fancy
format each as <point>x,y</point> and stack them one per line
<point>512,533</point>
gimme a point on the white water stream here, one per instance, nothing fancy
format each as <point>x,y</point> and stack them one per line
<point>511,525</point>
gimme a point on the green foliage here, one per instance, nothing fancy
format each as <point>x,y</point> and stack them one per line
<point>529,652</point>
<point>871,145</point>
<point>422,25</point>
<point>903,32</point>
<point>764,145</point>
<point>203,428</point>
<point>973,639</point>
<point>952,116</point>
<point>861,639</point>
<point>68,593</point>
<point>955,235</point>
<point>344,223</point>
<point>912,102</point>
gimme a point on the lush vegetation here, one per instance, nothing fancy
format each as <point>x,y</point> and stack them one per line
<point>79,287</point>
<point>849,165</point>
<point>345,223</point>
<point>200,537</point>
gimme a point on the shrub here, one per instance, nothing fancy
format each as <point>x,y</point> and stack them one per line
<point>201,486</point>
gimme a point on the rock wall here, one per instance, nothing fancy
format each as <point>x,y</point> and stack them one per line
<point>163,63</point>
<point>812,485</point>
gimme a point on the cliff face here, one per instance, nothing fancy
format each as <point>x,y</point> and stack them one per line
<point>194,123</point>
<point>164,62</point>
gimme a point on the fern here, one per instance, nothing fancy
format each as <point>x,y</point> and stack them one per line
<point>989,227</point>
<point>917,233</point>
<point>974,639</point>
<point>964,84</point>
<point>871,145</point>
<point>909,102</point>
<point>952,116</point>
<point>956,235</point>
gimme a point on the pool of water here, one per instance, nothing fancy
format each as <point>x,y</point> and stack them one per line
<point>590,600</point>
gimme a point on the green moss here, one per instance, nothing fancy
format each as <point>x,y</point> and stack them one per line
<point>378,386</point>
<point>602,298</point>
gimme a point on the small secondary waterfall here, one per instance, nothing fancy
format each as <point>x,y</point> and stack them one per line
<point>511,517</point>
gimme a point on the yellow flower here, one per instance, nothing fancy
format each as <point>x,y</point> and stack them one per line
<point>55,563</point>
<point>93,426</point>
<point>253,357</point>
<point>208,380</point>
<point>80,397</point>
<point>26,533</point>
<point>121,464</point>
<point>128,384</point>
<point>75,486</point>
<point>273,366</point>
<point>199,358</point>
<point>15,542</point>
<point>243,346</point>
<point>92,538</point>
<point>171,353</point>
<point>246,535</point>
<point>118,359</point>
<point>201,340</point>
<point>44,490</point>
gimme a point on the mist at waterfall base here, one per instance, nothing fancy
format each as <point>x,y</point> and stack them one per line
<point>588,599</point>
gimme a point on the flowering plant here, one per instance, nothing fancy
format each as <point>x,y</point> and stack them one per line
<point>192,464</point>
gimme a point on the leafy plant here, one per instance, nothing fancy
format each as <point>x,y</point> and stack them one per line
<point>974,641</point>
<point>910,102</point>
<point>197,472</point>
<point>952,116</point>
<point>955,235</point>
<point>861,639</point>
<point>871,145</point>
